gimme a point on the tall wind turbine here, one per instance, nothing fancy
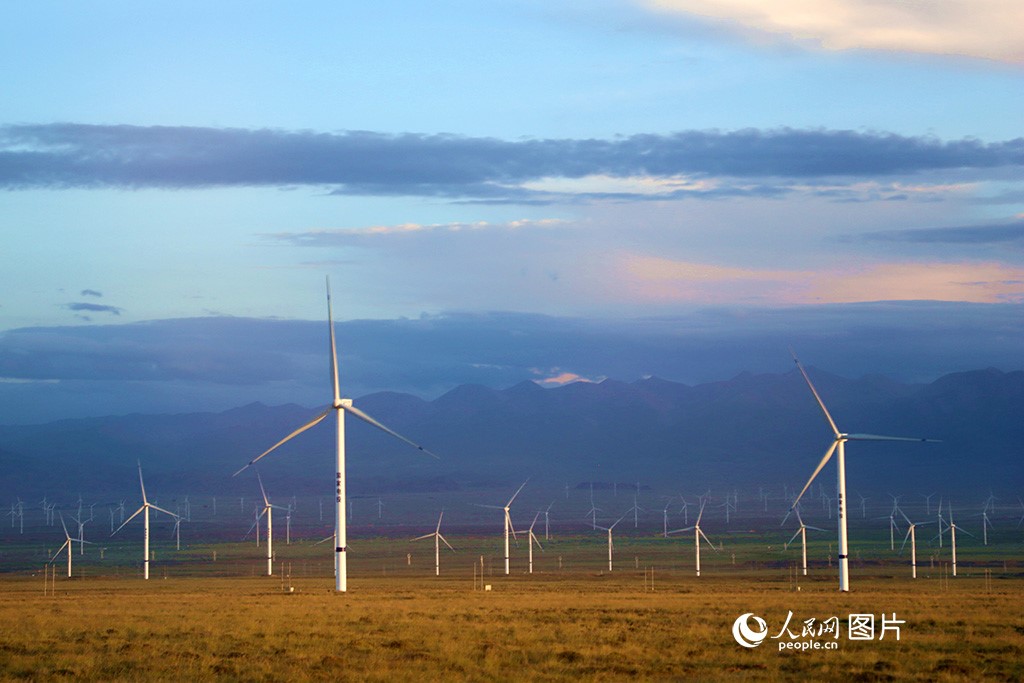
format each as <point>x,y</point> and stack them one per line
<point>508,522</point>
<point>697,535</point>
<point>146,505</point>
<point>438,540</point>
<point>339,406</point>
<point>802,533</point>
<point>839,446</point>
<point>912,535</point>
<point>610,544</point>
<point>953,528</point>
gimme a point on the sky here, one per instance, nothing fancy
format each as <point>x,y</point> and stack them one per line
<point>501,191</point>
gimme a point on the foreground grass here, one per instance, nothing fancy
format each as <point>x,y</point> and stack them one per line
<point>552,626</point>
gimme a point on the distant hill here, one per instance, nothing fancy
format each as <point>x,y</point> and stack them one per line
<point>750,431</point>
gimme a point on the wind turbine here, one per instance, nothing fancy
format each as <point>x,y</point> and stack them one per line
<point>67,544</point>
<point>531,539</point>
<point>697,534</point>
<point>802,533</point>
<point>610,544</point>
<point>547,534</point>
<point>839,446</point>
<point>508,521</point>
<point>268,510</point>
<point>146,505</point>
<point>339,406</point>
<point>912,535</point>
<point>952,534</point>
<point>438,540</point>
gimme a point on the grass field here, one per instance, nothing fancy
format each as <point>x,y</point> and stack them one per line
<point>200,618</point>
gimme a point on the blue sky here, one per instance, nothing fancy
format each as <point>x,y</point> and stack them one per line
<point>596,163</point>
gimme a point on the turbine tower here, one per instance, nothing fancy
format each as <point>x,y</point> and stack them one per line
<point>697,535</point>
<point>802,533</point>
<point>839,447</point>
<point>610,544</point>
<point>339,406</point>
<point>508,522</point>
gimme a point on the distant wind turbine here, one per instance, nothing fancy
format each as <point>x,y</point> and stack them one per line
<point>610,544</point>
<point>508,522</point>
<point>912,535</point>
<point>438,540</point>
<point>802,533</point>
<point>67,544</point>
<point>268,510</point>
<point>839,446</point>
<point>146,505</point>
<point>531,538</point>
<point>697,535</point>
<point>339,406</point>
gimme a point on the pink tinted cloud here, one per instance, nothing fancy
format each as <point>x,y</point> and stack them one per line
<point>663,280</point>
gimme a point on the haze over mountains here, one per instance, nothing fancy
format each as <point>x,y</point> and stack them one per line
<point>751,431</point>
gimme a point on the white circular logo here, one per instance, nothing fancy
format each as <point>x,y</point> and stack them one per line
<point>746,636</point>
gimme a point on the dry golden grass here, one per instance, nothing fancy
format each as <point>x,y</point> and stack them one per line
<point>399,622</point>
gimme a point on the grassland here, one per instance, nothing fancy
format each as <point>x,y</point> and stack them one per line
<point>200,618</point>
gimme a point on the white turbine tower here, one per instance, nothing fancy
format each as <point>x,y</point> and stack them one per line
<point>697,535</point>
<point>146,505</point>
<point>912,535</point>
<point>610,544</point>
<point>802,533</point>
<point>839,446</point>
<point>339,406</point>
<point>438,540</point>
<point>508,522</point>
<point>953,528</point>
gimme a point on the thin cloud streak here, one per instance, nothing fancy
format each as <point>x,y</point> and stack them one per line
<point>661,279</point>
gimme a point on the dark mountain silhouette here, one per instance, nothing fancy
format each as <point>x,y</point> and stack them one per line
<point>750,431</point>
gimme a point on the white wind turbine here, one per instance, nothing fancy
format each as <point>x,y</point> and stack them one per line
<point>802,533</point>
<point>531,538</point>
<point>438,540</point>
<point>508,522</point>
<point>67,544</point>
<point>610,544</point>
<point>697,535</point>
<point>912,535</point>
<point>547,528</point>
<point>146,505</point>
<point>339,406</point>
<point>268,510</point>
<point>839,446</point>
<point>953,528</point>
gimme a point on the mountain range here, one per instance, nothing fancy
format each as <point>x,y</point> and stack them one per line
<point>748,432</point>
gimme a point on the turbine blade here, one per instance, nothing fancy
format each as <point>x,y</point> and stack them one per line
<point>879,437</point>
<point>128,520</point>
<point>334,351</point>
<point>142,485</point>
<point>794,537</point>
<point>821,404</point>
<point>420,538</point>
<point>904,545</point>
<point>369,420</point>
<point>509,503</point>
<point>166,512</point>
<point>445,541</point>
<point>679,531</point>
<point>508,520</point>
<point>816,528</point>
<point>312,423</point>
<point>824,461</point>
<point>706,539</point>
<point>266,501</point>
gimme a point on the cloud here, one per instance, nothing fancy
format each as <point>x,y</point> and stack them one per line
<point>987,29</point>
<point>93,308</point>
<point>480,169</point>
<point>91,292</point>
<point>339,237</point>
<point>659,279</point>
<point>1007,234</point>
